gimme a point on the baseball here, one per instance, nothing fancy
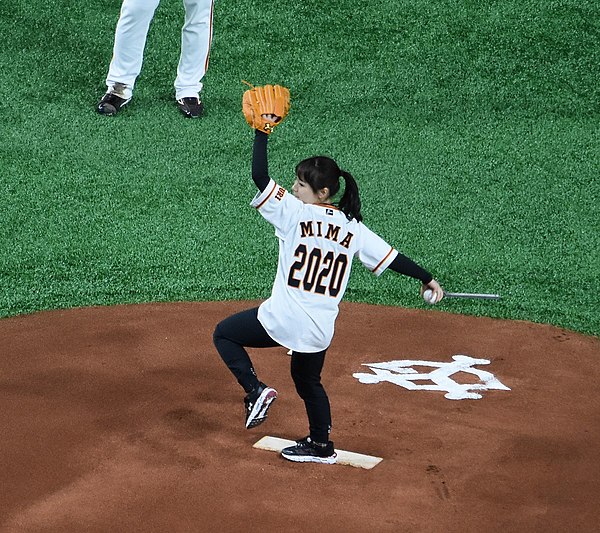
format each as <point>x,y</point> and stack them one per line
<point>429,297</point>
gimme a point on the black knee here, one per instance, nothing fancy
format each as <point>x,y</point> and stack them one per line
<point>218,333</point>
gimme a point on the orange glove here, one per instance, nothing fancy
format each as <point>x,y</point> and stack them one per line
<point>265,107</point>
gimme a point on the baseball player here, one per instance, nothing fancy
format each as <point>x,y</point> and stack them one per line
<point>318,239</point>
<point>130,40</point>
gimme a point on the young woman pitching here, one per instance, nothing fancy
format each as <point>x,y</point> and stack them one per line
<point>318,239</point>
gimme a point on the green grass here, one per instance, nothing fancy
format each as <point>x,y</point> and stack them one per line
<point>471,127</point>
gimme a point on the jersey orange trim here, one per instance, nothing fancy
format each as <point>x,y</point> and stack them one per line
<point>329,206</point>
<point>268,196</point>
<point>383,260</point>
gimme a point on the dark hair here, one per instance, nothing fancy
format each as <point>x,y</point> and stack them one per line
<point>322,171</point>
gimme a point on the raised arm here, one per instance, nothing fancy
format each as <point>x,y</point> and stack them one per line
<point>260,167</point>
<point>264,108</point>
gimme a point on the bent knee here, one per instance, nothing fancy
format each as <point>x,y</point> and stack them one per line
<point>218,333</point>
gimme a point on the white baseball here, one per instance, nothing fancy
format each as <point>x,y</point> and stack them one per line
<point>429,296</point>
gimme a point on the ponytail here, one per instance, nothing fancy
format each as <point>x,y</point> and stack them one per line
<point>322,171</point>
<point>349,204</point>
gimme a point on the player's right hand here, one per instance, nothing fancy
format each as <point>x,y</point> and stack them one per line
<point>437,290</point>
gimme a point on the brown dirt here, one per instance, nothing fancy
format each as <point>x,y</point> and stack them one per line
<point>125,419</point>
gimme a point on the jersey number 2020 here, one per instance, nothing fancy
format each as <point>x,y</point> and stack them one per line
<point>315,272</point>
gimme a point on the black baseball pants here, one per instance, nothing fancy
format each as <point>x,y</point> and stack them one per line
<point>243,330</point>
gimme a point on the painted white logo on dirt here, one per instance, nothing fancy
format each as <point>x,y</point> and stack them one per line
<point>401,373</point>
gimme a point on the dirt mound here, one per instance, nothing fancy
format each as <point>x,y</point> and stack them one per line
<point>125,419</point>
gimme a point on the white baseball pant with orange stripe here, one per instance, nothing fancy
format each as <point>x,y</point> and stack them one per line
<point>130,40</point>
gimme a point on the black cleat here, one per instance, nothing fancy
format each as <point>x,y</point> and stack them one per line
<point>257,405</point>
<point>307,451</point>
<point>111,102</point>
<point>190,107</point>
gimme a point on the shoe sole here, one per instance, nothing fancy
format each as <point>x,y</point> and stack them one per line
<point>259,412</point>
<point>311,459</point>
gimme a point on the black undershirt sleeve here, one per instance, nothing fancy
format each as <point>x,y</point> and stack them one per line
<point>260,168</point>
<point>406,266</point>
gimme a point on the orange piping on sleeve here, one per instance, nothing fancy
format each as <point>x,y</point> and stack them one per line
<point>268,196</point>
<point>383,260</point>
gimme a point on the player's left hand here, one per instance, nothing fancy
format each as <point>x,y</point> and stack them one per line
<point>266,107</point>
<point>436,288</point>
<point>271,118</point>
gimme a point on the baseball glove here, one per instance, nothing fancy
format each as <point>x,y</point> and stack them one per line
<point>265,107</point>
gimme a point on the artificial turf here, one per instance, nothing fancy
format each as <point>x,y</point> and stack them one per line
<point>472,129</point>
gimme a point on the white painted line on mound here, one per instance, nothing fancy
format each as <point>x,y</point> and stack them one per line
<point>275,444</point>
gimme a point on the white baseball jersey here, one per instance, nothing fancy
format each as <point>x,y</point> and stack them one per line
<point>316,246</point>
